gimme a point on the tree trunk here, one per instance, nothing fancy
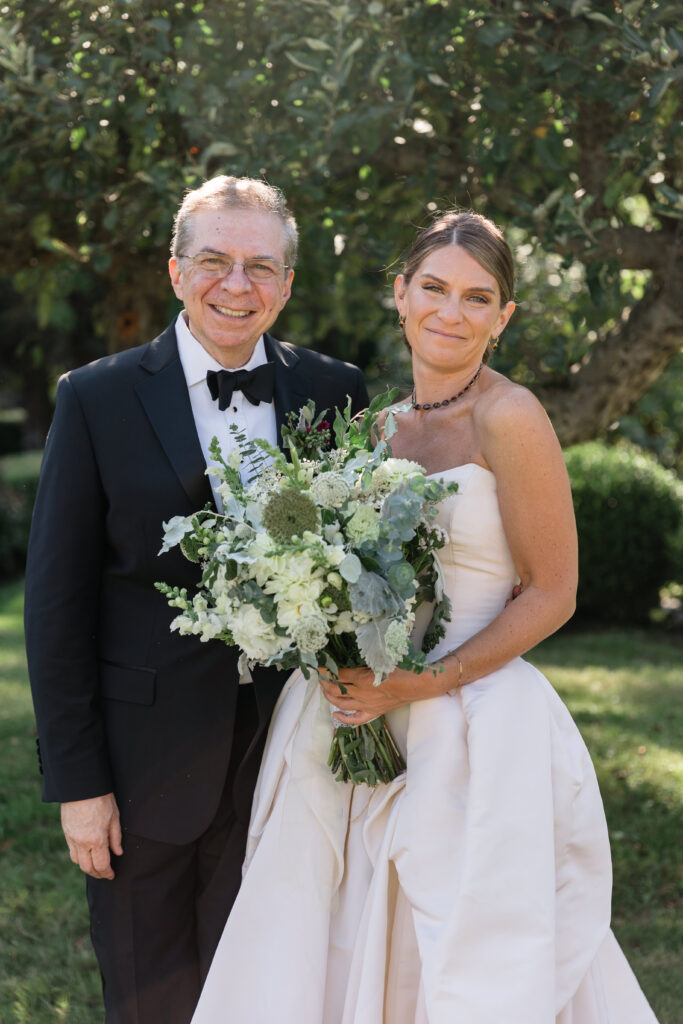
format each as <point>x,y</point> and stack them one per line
<point>620,368</point>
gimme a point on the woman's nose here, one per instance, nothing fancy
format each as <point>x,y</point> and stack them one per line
<point>451,309</point>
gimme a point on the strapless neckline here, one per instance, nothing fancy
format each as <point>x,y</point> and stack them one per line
<point>463,465</point>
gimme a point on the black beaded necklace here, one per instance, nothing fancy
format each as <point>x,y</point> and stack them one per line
<point>446,401</point>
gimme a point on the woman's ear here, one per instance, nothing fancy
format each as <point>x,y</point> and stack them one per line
<point>400,293</point>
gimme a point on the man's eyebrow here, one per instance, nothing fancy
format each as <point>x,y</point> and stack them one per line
<point>472,288</point>
<point>217,252</point>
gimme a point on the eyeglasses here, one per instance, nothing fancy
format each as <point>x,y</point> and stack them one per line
<point>211,265</point>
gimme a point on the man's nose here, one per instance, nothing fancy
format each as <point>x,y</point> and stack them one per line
<point>236,279</point>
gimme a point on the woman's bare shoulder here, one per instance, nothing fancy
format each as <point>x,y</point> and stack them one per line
<point>504,405</point>
<point>513,428</point>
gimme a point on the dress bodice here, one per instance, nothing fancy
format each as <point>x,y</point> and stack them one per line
<point>478,571</point>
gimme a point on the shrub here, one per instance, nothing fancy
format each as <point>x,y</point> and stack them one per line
<point>629,515</point>
<point>18,484</point>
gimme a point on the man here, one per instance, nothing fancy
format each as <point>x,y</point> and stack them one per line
<point>143,733</point>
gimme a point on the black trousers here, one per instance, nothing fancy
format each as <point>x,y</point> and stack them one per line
<point>156,926</point>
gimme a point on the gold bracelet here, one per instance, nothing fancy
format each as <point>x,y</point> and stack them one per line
<point>459,682</point>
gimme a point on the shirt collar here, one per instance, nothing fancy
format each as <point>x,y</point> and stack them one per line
<point>196,361</point>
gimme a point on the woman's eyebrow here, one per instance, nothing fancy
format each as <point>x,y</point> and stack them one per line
<point>472,288</point>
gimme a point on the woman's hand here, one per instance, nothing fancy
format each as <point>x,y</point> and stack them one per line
<point>365,701</point>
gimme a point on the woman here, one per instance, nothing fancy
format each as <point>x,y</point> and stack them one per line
<point>475,888</point>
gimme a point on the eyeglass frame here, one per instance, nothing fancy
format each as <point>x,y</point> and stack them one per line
<point>234,263</point>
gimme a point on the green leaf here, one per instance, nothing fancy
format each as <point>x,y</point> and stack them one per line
<point>670,194</point>
<point>661,85</point>
<point>316,44</point>
<point>600,17</point>
<point>299,61</point>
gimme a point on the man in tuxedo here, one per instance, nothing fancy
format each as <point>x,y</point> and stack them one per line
<point>145,738</point>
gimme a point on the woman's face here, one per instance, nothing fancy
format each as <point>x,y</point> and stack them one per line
<point>452,309</point>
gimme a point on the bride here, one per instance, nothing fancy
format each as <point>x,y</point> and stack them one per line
<point>475,888</point>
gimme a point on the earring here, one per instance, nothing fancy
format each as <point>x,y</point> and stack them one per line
<point>494,342</point>
<point>401,322</point>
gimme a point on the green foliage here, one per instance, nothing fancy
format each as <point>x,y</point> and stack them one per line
<point>560,120</point>
<point>18,485</point>
<point>629,514</point>
<point>656,423</point>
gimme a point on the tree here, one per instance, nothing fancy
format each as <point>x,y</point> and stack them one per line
<point>557,119</point>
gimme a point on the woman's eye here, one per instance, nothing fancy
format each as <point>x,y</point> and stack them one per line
<point>480,299</point>
<point>432,287</point>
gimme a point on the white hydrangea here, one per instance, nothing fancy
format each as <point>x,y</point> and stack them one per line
<point>363,525</point>
<point>330,490</point>
<point>277,574</point>
<point>257,638</point>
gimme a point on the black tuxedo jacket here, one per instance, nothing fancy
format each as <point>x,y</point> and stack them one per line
<point>122,703</point>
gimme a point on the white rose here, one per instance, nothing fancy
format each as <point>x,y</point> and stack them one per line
<point>392,472</point>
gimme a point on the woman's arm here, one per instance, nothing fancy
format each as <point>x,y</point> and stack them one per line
<point>520,446</point>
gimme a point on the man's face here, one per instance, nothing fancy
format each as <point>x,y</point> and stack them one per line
<point>229,314</point>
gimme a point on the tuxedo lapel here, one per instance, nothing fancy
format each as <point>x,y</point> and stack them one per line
<point>166,401</point>
<point>292,388</point>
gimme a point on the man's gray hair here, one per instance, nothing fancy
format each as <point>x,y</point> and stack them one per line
<point>226,192</point>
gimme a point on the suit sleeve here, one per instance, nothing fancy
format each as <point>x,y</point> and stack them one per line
<point>63,580</point>
<point>359,393</point>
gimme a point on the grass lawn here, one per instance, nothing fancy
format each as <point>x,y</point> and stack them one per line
<point>624,690</point>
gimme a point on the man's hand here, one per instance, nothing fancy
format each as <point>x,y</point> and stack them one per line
<point>92,828</point>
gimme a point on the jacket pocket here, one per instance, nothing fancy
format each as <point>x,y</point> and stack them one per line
<point>125,682</point>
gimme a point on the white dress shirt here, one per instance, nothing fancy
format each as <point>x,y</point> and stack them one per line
<point>251,420</point>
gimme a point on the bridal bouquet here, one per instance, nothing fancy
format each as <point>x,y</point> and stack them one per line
<point>319,562</point>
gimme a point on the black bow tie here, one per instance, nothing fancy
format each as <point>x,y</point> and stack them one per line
<point>256,385</point>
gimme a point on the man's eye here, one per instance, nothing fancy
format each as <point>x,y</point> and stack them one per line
<point>211,262</point>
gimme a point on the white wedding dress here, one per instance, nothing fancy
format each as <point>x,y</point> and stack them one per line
<point>474,889</point>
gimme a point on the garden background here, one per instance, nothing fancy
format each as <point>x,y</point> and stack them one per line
<point>562,122</point>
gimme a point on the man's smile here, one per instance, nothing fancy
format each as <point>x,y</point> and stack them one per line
<point>226,311</point>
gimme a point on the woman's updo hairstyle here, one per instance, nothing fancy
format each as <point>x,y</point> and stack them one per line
<point>477,235</point>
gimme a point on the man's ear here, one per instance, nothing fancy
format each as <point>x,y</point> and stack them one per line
<point>287,290</point>
<point>174,273</point>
